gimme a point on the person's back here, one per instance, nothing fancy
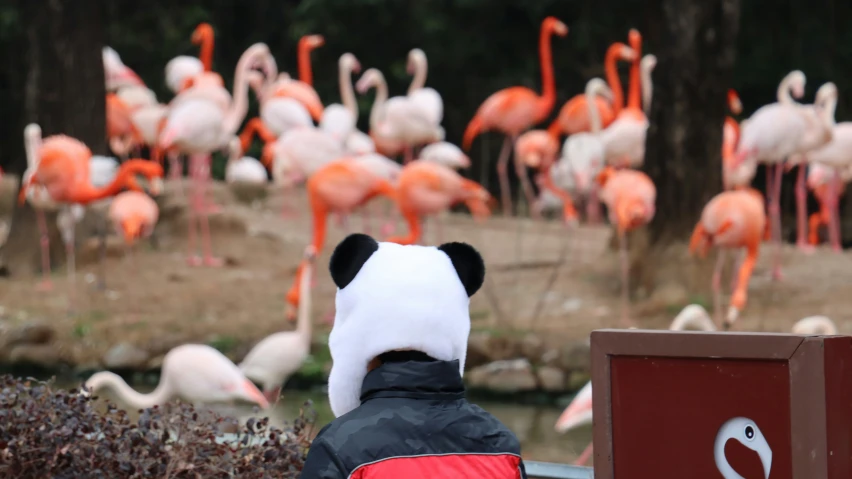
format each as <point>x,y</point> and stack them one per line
<point>396,385</point>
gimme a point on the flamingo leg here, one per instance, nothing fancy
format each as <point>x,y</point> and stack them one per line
<point>802,211</point>
<point>735,278</point>
<point>593,206</point>
<point>192,213</point>
<point>503,175</point>
<point>583,458</point>
<point>769,191</point>
<point>102,254</point>
<point>529,194</point>
<point>717,287</point>
<point>775,213</point>
<point>176,172</point>
<point>46,284</point>
<point>738,299</point>
<point>834,215</point>
<point>625,278</point>
<point>68,239</point>
<point>209,259</point>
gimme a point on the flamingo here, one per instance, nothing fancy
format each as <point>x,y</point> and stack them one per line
<point>428,99</point>
<point>243,169</point>
<point>574,115</point>
<point>134,215</point>
<point>732,219</point>
<point>579,411</point>
<point>538,149</point>
<point>583,152</point>
<point>779,130</point>
<point>121,131</point>
<point>624,138</point>
<point>411,120</point>
<point>836,155</point>
<point>199,127</point>
<point>60,169</point>
<point>307,44</point>
<point>136,96</point>
<point>194,372</point>
<point>339,186</point>
<point>446,154</point>
<point>116,73</point>
<point>339,120</point>
<point>277,115</point>
<point>629,196</point>
<point>426,188</point>
<point>821,180</point>
<point>815,325</point>
<point>646,67</point>
<point>515,109</point>
<point>277,356</point>
<point>746,432</point>
<point>302,89</point>
<point>386,145</point>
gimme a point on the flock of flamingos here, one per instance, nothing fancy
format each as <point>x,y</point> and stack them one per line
<point>344,168</point>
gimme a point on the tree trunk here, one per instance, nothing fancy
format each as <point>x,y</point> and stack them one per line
<point>696,48</point>
<point>63,93</point>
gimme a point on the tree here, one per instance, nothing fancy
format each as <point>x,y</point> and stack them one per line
<point>63,93</point>
<point>696,50</point>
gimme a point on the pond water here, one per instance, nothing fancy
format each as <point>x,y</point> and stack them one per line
<point>532,424</point>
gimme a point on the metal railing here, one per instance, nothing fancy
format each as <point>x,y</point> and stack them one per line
<point>552,470</point>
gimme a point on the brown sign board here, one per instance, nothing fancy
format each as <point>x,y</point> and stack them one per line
<point>676,405</point>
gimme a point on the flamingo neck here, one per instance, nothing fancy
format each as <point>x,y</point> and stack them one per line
<point>633,94</point>
<point>306,74</point>
<point>239,107</point>
<point>206,53</point>
<point>347,93</point>
<point>303,322</point>
<point>783,93</point>
<point>594,114</point>
<point>127,394</point>
<point>420,71</point>
<point>611,68</point>
<point>647,90</point>
<point>379,102</point>
<point>548,83</point>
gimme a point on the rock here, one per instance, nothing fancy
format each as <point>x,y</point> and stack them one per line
<point>503,376</point>
<point>576,355</point>
<point>669,294</point>
<point>125,356</point>
<point>29,333</point>
<point>577,380</point>
<point>552,379</point>
<point>532,347</point>
<point>44,355</point>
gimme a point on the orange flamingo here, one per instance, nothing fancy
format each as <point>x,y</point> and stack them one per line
<point>427,188</point>
<point>134,215</point>
<point>574,114</point>
<point>60,168</point>
<point>301,89</point>
<point>121,131</point>
<point>629,196</point>
<point>307,44</point>
<point>339,186</point>
<point>732,219</point>
<point>515,109</point>
<point>624,139</point>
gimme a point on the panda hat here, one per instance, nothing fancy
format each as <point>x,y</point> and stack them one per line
<point>393,297</point>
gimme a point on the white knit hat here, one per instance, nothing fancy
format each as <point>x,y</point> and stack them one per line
<point>397,297</point>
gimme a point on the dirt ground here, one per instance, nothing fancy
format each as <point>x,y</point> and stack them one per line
<point>541,277</point>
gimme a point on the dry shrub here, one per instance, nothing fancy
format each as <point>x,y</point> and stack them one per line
<point>60,434</point>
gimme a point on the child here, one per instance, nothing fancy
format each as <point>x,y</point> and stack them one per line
<point>398,344</point>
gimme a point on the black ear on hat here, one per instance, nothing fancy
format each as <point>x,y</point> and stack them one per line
<point>468,264</point>
<point>349,257</point>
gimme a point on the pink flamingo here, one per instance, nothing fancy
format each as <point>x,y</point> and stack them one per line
<point>779,130</point>
<point>821,180</point>
<point>116,73</point>
<point>134,215</point>
<point>446,154</point>
<point>538,149</point>
<point>427,98</point>
<point>516,109</point>
<point>193,372</point>
<point>387,145</point>
<point>836,155</point>
<point>199,126</point>
<point>630,198</point>
<point>339,120</point>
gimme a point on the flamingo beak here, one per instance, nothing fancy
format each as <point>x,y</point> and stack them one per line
<point>255,395</point>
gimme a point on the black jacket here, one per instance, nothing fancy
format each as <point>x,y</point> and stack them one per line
<point>414,422</point>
